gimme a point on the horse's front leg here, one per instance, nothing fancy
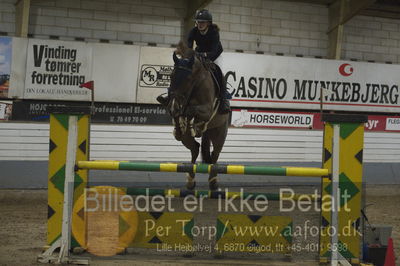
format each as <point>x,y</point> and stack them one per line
<point>199,116</point>
<point>212,178</point>
<point>217,137</point>
<point>194,148</point>
<point>177,130</point>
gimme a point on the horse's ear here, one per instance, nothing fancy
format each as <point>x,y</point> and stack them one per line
<point>181,47</point>
<point>175,58</point>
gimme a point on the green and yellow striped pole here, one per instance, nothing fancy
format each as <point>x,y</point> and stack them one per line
<point>202,168</point>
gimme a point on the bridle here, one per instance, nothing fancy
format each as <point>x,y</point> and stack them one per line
<point>185,68</point>
<point>185,65</point>
<point>182,94</point>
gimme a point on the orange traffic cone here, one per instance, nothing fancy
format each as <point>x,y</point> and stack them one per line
<point>390,259</point>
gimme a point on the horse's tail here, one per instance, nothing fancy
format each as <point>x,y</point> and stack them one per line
<point>205,148</point>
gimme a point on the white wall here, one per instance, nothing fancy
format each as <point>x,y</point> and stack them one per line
<point>372,39</point>
<point>7,17</point>
<point>269,26</point>
<point>272,26</point>
<point>30,142</point>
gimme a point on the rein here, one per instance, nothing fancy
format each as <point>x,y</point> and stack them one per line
<point>179,111</point>
<point>185,68</point>
<point>187,99</point>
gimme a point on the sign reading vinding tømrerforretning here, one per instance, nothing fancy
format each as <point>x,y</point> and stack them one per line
<point>56,69</point>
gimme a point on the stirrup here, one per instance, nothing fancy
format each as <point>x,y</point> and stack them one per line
<point>164,100</point>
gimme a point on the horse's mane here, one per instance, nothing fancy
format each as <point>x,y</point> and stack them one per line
<point>183,50</point>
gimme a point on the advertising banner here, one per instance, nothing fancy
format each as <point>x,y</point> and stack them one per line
<point>55,69</point>
<point>303,120</point>
<point>155,69</point>
<point>5,110</point>
<point>393,124</point>
<point>247,118</point>
<point>298,83</point>
<point>115,72</point>
<point>5,65</point>
<point>110,113</point>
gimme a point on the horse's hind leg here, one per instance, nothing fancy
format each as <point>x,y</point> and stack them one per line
<point>194,148</point>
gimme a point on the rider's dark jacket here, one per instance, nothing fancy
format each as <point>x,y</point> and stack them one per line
<point>208,43</point>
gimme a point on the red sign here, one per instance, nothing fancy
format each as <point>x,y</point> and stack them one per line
<point>346,70</point>
<point>303,120</point>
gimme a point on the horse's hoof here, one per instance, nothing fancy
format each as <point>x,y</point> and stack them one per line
<point>191,185</point>
<point>213,185</point>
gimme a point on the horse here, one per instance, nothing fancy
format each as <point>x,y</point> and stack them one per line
<point>193,107</point>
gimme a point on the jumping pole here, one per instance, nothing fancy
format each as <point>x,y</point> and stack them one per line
<point>202,168</point>
<point>341,169</point>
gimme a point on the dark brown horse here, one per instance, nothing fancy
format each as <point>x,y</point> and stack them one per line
<point>193,107</point>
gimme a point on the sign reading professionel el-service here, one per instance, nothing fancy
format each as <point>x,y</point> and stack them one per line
<point>296,83</point>
<point>110,113</point>
<point>56,69</point>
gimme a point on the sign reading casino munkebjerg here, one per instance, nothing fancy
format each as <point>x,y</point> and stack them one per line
<point>56,69</point>
<point>298,83</point>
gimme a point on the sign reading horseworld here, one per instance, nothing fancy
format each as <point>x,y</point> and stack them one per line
<point>250,118</point>
<point>304,120</point>
<point>298,83</point>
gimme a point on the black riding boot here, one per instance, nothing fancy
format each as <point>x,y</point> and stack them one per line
<point>164,100</point>
<point>224,106</point>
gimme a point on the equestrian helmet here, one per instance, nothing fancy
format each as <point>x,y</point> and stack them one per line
<point>203,15</point>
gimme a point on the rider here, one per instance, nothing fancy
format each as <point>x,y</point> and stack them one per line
<point>208,45</point>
